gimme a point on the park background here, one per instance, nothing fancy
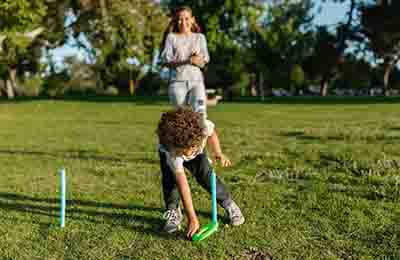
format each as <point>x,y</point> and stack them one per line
<point>309,117</point>
<point>258,48</point>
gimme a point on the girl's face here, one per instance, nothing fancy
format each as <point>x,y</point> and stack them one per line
<point>185,21</point>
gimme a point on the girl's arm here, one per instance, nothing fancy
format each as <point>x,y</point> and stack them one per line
<point>174,64</point>
<point>184,190</point>
<point>204,49</point>
<point>200,57</point>
<point>168,58</point>
<point>167,55</point>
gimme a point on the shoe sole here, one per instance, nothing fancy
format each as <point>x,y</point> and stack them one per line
<point>241,221</point>
<point>173,230</point>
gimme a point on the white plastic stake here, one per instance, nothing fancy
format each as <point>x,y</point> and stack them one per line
<point>62,197</point>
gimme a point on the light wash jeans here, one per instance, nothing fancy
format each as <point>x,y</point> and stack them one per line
<point>189,93</point>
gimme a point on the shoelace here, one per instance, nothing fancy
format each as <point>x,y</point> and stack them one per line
<point>171,215</point>
<point>232,212</point>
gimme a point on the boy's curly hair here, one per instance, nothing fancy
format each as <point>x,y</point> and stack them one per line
<point>180,129</point>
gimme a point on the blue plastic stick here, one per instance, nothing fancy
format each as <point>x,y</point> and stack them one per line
<point>62,195</point>
<point>212,227</point>
<point>213,198</point>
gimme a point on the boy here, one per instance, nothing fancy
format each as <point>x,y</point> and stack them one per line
<point>183,135</point>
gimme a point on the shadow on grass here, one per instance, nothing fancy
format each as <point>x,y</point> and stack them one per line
<point>318,100</point>
<point>137,100</point>
<point>299,135</point>
<point>79,210</point>
<point>302,136</point>
<point>149,100</point>
<point>97,211</point>
<point>82,155</point>
<point>306,137</point>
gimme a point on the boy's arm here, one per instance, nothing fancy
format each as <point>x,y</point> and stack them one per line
<point>214,144</point>
<point>184,190</point>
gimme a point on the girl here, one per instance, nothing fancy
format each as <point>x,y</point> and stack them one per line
<point>185,53</point>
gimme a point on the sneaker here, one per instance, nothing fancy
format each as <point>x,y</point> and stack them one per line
<point>232,211</point>
<point>174,219</point>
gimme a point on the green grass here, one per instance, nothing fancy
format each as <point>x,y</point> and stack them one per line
<point>314,180</point>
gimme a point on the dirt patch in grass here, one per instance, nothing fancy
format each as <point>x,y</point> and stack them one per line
<point>254,254</point>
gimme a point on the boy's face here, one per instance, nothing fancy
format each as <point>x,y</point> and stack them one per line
<point>189,152</point>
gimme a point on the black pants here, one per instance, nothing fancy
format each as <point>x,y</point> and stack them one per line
<point>201,169</point>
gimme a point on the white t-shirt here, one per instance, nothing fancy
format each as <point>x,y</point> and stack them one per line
<point>176,162</point>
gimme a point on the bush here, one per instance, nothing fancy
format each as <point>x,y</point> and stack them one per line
<point>81,86</point>
<point>61,83</point>
<point>109,91</point>
<point>151,84</point>
<point>297,77</point>
<point>56,84</point>
<point>32,86</point>
<point>240,87</point>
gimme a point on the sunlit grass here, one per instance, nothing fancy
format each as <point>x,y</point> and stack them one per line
<point>315,181</point>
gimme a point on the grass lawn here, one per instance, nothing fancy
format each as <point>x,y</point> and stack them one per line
<point>314,180</point>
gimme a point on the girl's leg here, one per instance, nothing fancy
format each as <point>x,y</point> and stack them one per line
<point>197,97</point>
<point>177,92</point>
<point>170,190</point>
<point>201,169</point>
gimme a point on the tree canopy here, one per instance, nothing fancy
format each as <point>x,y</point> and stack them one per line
<point>268,44</point>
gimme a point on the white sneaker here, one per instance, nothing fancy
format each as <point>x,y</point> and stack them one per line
<point>232,211</point>
<point>174,218</point>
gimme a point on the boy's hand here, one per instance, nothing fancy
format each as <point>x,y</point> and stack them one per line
<point>193,227</point>
<point>225,162</point>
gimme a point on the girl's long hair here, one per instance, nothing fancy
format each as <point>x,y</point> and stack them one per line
<point>173,24</point>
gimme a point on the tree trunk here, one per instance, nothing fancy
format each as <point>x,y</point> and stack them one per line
<point>346,31</point>
<point>104,16</point>
<point>9,89</point>
<point>261,86</point>
<point>131,84</point>
<point>2,87</point>
<point>137,82</point>
<point>324,87</point>
<point>103,8</point>
<point>11,83</point>
<point>253,86</point>
<point>131,87</point>
<point>388,69</point>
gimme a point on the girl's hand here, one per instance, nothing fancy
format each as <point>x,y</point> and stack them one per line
<point>225,162</point>
<point>197,60</point>
<point>193,227</point>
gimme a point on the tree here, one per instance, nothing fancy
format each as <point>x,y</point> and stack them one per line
<point>356,72</point>
<point>381,25</point>
<point>297,77</point>
<point>118,31</point>
<point>278,40</point>
<point>20,26</point>
<point>323,64</point>
<point>330,47</point>
<point>26,27</point>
